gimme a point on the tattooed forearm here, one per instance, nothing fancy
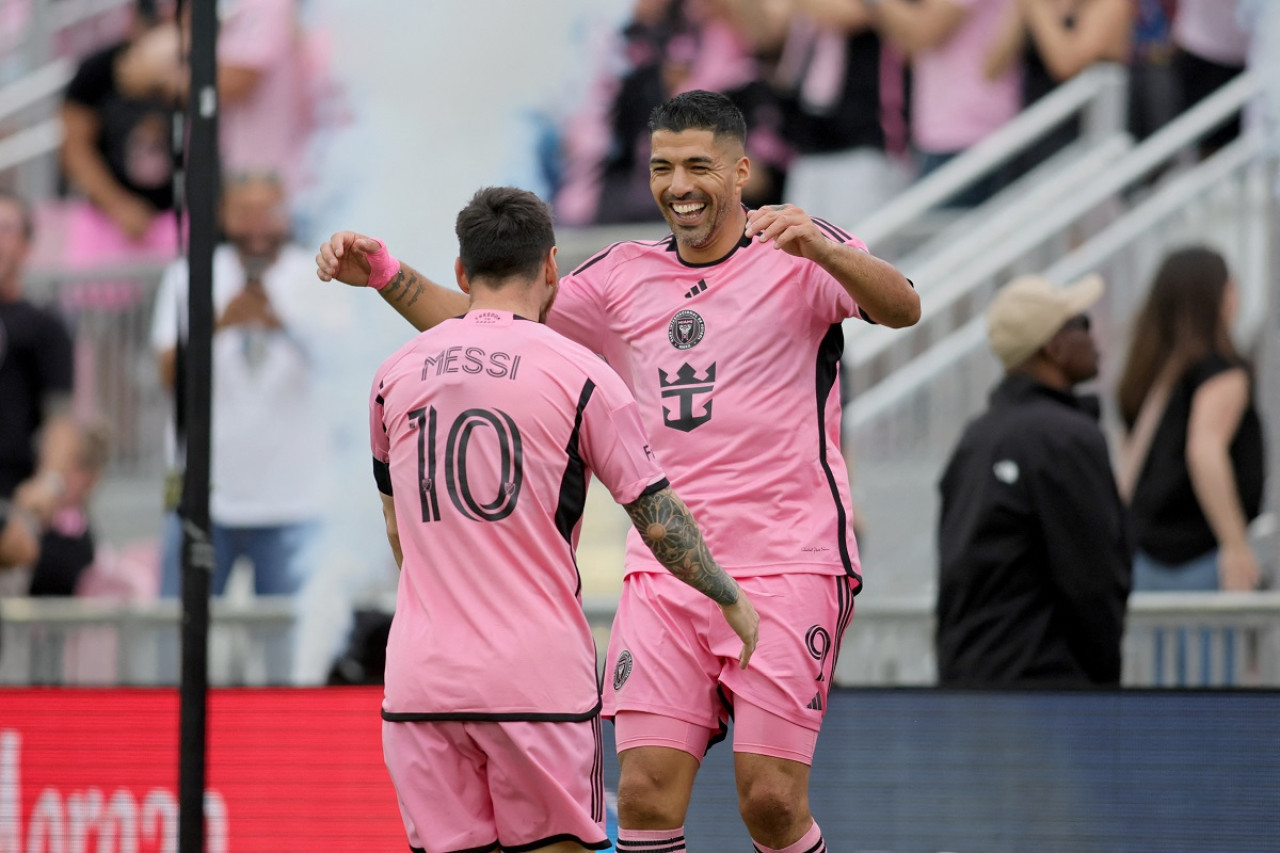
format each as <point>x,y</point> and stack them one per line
<point>669,530</point>
<point>394,288</point>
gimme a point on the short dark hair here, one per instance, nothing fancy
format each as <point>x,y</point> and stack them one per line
<point>24,209</point>
<point>504,231</point>
<point>700,110</point>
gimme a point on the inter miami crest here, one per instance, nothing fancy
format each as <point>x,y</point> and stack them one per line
<point>686,329</point>
<point>622,670</point>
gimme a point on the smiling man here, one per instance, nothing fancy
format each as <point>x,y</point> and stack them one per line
<point>728,333</point>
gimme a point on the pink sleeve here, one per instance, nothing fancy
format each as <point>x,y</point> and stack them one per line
<point>613,442</point>
<point>827,296</point>
<point>256,32</point>
<point>576,313</point>
<point>379,441</point>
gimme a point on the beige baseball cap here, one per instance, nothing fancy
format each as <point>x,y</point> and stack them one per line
<point>1029,311</point>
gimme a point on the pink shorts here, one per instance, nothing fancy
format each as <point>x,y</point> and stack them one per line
<point>672,654</point>
<point>476,785</point>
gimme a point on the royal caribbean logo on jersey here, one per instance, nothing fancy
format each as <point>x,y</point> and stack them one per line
<point>686,329</point>
<point>687,389</point>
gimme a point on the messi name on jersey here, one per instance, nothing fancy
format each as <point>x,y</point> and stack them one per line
<point>473,360</point>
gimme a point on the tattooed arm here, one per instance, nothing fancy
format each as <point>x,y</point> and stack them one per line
<point>345,257</point>
<point>667,527</point>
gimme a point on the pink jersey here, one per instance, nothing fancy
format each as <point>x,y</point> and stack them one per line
<point>735,367</point>
<point>486,430</point>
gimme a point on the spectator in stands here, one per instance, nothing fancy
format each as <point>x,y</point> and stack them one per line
<point>1034,567</point>
<point>833,77</point>
<point>668,47</point>
<point>117,147</point>
<point>1210,48</point>
<point>37,433</point>
<point>67,546</point>
<point>954,105</point>
<point>19,536</point>
<point>268,436</point>
<point>1153,92</point>
<point>1192,463</point>
<point>1054,40</point>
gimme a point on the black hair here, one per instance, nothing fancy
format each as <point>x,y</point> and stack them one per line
<point>502,232</point>
<point>700,110</point>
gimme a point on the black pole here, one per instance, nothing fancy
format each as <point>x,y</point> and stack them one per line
<point>201,180</point>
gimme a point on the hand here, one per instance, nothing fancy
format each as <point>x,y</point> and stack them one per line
<point>248,306</point>
<point>1237,568</point>
<point>790,228</point>
<point>41,496</point>
<point>345,258</point>
<point>131,215</point>
<point>745,622</point>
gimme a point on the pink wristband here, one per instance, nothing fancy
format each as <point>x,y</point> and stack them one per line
<point>382,266</point>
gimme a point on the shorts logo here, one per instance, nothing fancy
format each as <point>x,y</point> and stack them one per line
<point>622,670</point>
<point>686,329</point>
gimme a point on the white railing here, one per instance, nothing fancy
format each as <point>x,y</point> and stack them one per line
<point>1097,94</point>
<point>99,642</point>
<point>1024,233</point>
<point>1225,639</point>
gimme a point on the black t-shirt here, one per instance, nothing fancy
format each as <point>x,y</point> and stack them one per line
<point>1167,520</point>
<point>852,119</point>
<point>136,135</point>
<point>35,362</point>
<point>63,559</point>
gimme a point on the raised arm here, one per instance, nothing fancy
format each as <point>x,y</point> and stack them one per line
<point>362,261</point>
<point>877,286</point>
<point>667,527</point>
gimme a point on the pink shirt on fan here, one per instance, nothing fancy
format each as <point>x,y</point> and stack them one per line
<point>735,367</point>
<point>954,105</point>
<point>268,129</point>
<point>487,429</point>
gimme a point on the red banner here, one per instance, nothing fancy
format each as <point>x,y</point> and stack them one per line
<point>288,769</point>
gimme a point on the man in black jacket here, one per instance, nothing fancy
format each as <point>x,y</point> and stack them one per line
<point>1034,558</point>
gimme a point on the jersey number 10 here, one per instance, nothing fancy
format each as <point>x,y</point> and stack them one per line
<point>511,463</point>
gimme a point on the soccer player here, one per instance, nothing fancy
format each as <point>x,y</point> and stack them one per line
<point>485,431</point>
<point>728,333</point>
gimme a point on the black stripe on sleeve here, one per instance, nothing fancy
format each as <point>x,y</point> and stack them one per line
<point>654,488</point>
<point>382,476</point>
<point>839,234</point>
<point>573,485</point>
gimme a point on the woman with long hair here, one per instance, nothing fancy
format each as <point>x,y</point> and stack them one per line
<point>1191,466</point>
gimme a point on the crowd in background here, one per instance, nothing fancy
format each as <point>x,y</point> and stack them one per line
<point>847,103</point>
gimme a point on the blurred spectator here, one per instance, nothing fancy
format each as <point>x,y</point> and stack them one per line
<point>268,437</point>
<point>833,75</point>
<point>1055,40</point>
<point>117,147</point>
<point>1034,566</point>
<point>954,105</point>
<point>669,47</point>
<point>1192,464</point>
<point>67,546</point>
<point>1153,91</point>
<point>263,84</point>
<point>1210,48</point>
<point>38,438</point>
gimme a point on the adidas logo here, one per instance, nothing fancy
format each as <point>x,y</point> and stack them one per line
<point>816,704</point>
<point>696,289</point>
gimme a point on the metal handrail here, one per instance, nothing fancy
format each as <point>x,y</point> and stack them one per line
<point>261,610</point>
<point>935,276</point>
<point>875,401</point>
<point>1100,81</point>
<point>30,143</point>
<point>44,82</point>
